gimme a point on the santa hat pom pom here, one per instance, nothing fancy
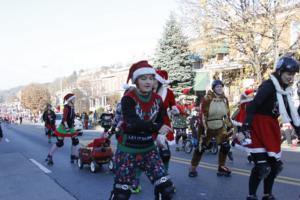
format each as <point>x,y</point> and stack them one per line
<point>126,86</point>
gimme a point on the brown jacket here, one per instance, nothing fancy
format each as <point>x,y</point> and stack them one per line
<point>215,111</point>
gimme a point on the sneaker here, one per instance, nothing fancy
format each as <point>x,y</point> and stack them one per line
<point>193,174</point>
<point>136,190</point>
<point>230,156</point>
<point>177,148</point>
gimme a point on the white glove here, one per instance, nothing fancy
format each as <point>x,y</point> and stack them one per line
<point>174,110</point>
<point>161,141</point>
<point>164,130</point>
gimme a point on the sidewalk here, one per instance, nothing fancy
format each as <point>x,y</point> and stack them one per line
<point>293,148</point>
<point>20,179</point>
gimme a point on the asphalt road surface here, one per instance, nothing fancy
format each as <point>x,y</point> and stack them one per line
<point>31,142</point>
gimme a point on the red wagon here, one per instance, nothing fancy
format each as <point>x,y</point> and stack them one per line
<point>95,154</point>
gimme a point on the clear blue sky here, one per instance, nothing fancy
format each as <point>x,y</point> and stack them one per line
<point>44,39</point>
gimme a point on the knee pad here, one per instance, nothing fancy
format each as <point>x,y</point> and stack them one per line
<point>60,143</point>
<point>164,188</point>
<point>165,155</point>
<point>75,141</point>
<point>120,192</point>
<point>225,147</point>
<point>276,166</point>
<point>262,170</point>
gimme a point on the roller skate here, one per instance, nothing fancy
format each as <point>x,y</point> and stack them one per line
<point>49,160</point>
<point>73,158</point>
<point>252,197</point>
<point>268,197</point>
<point>193,173</point>
<point>223,171</point>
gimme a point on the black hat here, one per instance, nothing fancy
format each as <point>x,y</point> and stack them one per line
<point>287,64</point>
<point>215,83</point>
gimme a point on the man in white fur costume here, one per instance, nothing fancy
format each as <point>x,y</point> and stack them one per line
<point>273,99</point>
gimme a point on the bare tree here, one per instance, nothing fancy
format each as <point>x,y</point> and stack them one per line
<point>113,99</point>
<point>253,29</point>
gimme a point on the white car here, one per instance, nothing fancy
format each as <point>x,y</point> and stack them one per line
<point>77,123</point>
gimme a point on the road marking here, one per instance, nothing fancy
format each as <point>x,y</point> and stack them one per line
<point>44,169</point>
<point>243,172</point>
<point>7,140</point>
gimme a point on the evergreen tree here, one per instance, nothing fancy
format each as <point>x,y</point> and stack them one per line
<point>173,55</point>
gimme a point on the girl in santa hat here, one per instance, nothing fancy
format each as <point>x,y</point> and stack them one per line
<point>66,129</point>
<point>142,115</point>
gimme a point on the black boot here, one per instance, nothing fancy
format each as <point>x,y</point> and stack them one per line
<point>49,160</point>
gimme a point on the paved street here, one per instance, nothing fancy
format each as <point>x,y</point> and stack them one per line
<point>25,147</point>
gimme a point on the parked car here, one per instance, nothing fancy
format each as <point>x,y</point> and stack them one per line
<point>77,123</point>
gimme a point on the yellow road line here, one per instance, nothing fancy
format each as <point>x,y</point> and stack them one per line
<point>235,169</point>
<point>280,179</point>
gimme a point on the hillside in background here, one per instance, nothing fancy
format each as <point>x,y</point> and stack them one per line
<point>6,94</point>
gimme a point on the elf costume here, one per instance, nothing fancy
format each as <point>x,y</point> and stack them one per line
<point>143,116</point>
<point>66,129</point>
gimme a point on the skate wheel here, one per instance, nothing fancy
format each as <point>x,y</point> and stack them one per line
<point>223,174</point>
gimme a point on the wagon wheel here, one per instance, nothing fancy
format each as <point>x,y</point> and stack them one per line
<point>94,167</point>
<point>80,163</point>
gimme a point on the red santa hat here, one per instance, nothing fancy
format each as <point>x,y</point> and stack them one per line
<point>69,97</point>
<point>138,69</point>
<point>162,76</point>
<point>247,95</point>
<point>249,91</point>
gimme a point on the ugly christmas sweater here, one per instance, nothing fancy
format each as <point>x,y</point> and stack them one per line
<point>143,116</point>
